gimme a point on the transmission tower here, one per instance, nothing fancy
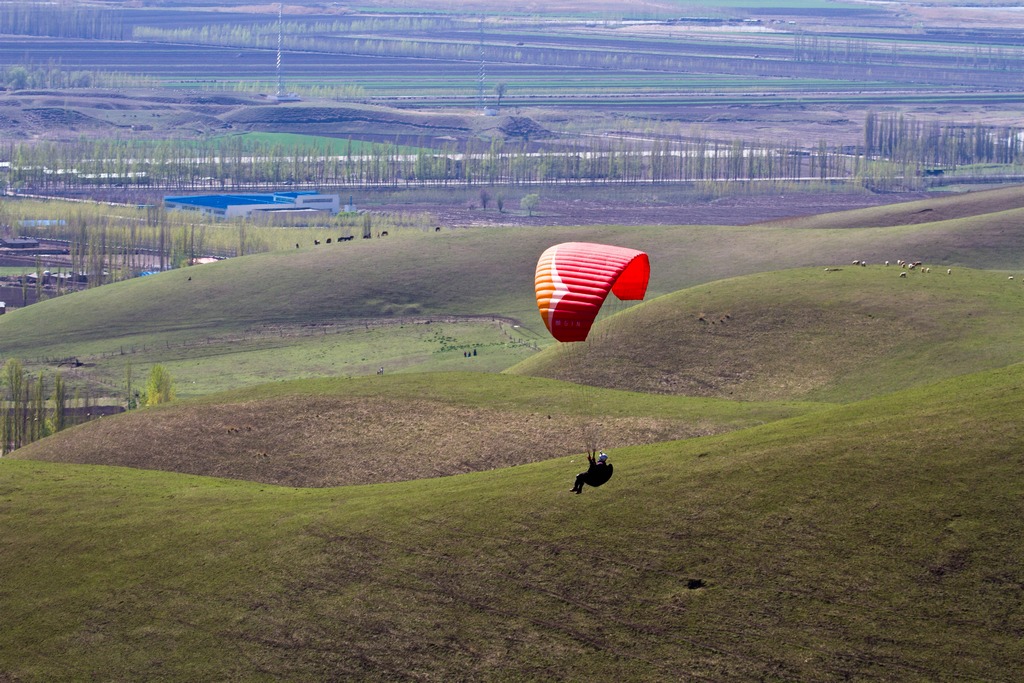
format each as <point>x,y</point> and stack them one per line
<point>480,81</point>
<point>282,96</point>
<point>280,42</point>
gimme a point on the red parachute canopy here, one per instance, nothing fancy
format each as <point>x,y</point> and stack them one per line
<point>573,280</point>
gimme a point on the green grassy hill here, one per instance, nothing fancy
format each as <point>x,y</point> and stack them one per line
<point>347,309</point>
<point>833,336</point>
<point>874,541</point>
<point>836,335</point>
<point>938,209</point>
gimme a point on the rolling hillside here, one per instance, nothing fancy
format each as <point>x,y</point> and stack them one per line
<point>256,313</point>
<point>875,541</point>
<point>872,534</point>
<point>754,345</point>
<point>838,334</point>
<point>945,208</point>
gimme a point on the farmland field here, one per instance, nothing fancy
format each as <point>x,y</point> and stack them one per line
<point>729,70</point>
<point>329,145</point>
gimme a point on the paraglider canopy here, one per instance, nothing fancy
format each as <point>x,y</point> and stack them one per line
<point>573,280</point>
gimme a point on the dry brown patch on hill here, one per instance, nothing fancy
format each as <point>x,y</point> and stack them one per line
<point>744,352</point>
<point>328,441</point>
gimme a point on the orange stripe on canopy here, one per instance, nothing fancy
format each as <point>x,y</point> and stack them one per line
<point>574,278</point>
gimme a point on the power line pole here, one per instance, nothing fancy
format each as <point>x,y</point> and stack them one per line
<point>280,42</point>
<point>480,84</point>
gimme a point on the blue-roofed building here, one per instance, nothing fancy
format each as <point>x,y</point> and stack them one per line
<point>238,205</point>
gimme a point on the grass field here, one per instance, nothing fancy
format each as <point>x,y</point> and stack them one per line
<point>876,541</point>
<point>820,481</point>
<point>290,142</point>
<point>722,356</point>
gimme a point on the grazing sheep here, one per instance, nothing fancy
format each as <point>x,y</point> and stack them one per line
<point>1010,278</point>
<point>903,274</point>
<point>316,242</point>
<point>886,263</point>
<point>949,271</point>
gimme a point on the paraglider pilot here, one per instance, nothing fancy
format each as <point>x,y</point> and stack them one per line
<point>599,472</point>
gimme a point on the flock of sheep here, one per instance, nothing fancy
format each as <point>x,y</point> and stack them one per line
<point>905,265</point>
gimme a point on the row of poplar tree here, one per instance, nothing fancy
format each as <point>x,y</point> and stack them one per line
<point>33,407</point>
<point>236,163</point>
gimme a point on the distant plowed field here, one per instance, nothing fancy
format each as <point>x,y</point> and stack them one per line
<point>778,72</point>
